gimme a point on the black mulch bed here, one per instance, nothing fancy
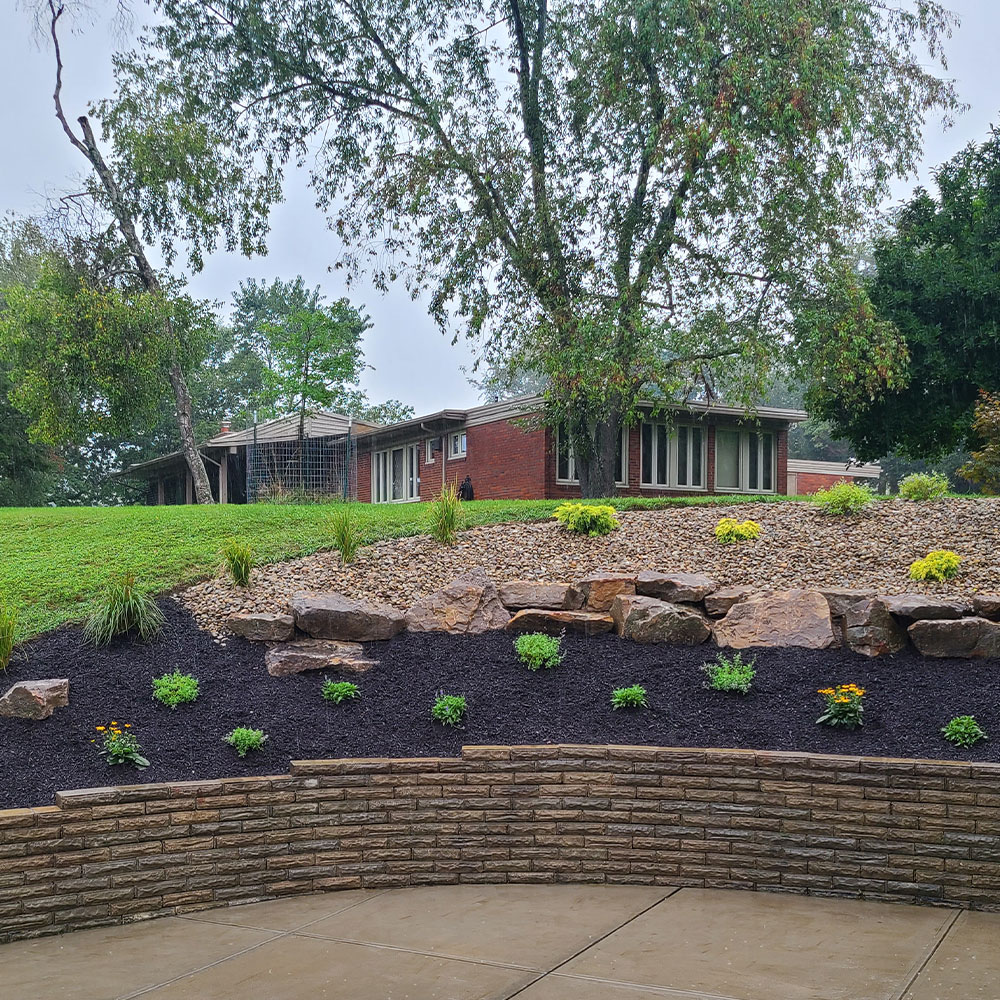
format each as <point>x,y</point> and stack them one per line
<point>909,699</point>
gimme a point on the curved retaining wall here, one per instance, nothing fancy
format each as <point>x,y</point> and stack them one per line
<point>922,831</point>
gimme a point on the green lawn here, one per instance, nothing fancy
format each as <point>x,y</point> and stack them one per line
<point>52,560</point>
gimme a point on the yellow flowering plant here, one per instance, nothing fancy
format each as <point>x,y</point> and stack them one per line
<point>119,745</point>
<point>844,706</point>
<point>939,565</point>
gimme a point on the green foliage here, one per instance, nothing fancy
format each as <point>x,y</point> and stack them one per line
<point>345,536</point>
<point>240,560</point>
<point>629,697</point>
<point>730,673</point>
<point>339,691</point>
<point>8,632</point>
<point>844,498</point>
<point>244,740</point>
<point>937,566</point>
<point>587,519</point>
<point>923,486</point>
<point>175,689</point>
<point>537,651</point>
<point>119,746</point>
<point>729,530</point>
<point>449,709</point>
<point>446,515</point>
<point>845,706</point>
<point>983,466</point>
<point>122,607</point>
<point>964,731</point>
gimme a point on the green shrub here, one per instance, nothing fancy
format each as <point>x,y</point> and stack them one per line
<point>729,530</point>
<point>963,731</point>
<point>346,539</point>
<point>240,560</point>
<point>587,518</point>
<point>924,486</point>
<point>844,498</point>
<point>730,673</point>
<point>446,515</point>
<point>338,691</point>
<point>629,697</point>
<point>175,689</point>
<point>449,709</point>
<point>123,607</point>
<point>536,650</point>
<point>939,565</point>
<point>119,746</point>
<point>8,629</point>
<point>245,740</point>
<point>844,706</point>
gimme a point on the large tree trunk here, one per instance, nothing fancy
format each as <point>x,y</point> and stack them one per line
<point>597,458</point>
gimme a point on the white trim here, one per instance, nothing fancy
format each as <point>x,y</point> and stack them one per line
<point>463,442</point>
<point>382,480</point>
<point>429,452</point>
<point>672,455</point>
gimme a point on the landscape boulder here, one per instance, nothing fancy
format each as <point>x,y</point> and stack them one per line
<point>334,616</point>
<point>316,654</point>
<point>554,622</point>
<point>986,606</point>
<point>35,699</point>
<point>262,626</point>
<point>778,618</point>
<point>518,594</point>
<point>600,589</point>
<point>961,637</point>
<point>918,607</point>
<point>869,629</point>
<point>678,588</point>
<point>648,619</point>
<point>842,598</point>
<point>719,602</point>
<point>469,605</point>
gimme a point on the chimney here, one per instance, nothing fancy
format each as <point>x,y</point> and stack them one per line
<point>224,429</point>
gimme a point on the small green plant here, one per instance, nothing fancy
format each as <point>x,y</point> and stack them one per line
<point>924,486</point>
<point>446,515</point>
<point>536,650</point>
<point>240,560</point>
<point>245,740</point>
<point>121,608</point>
<point>939,565</point>
<point>175,689</point>
<point>587,518</point>
<point>119,746</point>
<point>844,706</point>
<point>844,498</point>
<point>338,691</point>
<point>345,536</point>
<point>730,673</point>
<point>729,530</point>
<point>8,629</point>
<point>964,731</point>
<point>449,709</point>
<point>629,697</point>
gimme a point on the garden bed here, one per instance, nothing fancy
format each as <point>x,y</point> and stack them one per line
<point>909,699</point>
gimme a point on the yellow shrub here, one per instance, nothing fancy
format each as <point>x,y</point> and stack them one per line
<point>941,564</point>
<point>730,530</point>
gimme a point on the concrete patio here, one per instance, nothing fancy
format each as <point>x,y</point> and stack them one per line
<point>534,942</point>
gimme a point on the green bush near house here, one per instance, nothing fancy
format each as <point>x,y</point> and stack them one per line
<point>924,486</point>
<point>844,498</point>
<point>446,515</point>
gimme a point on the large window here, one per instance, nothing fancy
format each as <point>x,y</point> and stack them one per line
<point>744,461</point>
<point>396,474</point>
<point>673,457</point>
<point>566,460</point>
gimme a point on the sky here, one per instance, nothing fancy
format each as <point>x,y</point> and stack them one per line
<point>410,359</point>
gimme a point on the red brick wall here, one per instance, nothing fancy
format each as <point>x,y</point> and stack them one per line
<point>809,482</point>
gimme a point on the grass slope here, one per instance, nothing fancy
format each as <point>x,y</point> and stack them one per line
<point>52,560</point>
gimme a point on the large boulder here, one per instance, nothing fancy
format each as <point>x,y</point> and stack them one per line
<point>719,602</point>
<point>678,588</point>
<point>469,605</point>
<point>334,616</point>
<point>841,599</point>
<point>316,654</point>
<point>986,606</point>
<point>518,594</point>
<point>918,607</point>
<point>554,622</point>
<point>647,619</point>
<point>869,629</point>
<point>262,626</point>
<point>962,637</point>
<point>599,590</point>
<point>779,618</point>
<point>35,699</point>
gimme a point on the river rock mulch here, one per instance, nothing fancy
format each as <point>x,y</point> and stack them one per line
<point>909,699</point>
<point>800,547</point>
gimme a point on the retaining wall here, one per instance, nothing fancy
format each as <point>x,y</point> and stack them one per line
<point>921,831</point>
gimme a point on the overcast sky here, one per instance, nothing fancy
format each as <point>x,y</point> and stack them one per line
<point>411,360</point>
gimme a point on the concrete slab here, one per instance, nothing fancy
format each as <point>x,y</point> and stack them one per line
<point>966,966</point>
<point>558,987</point>
<point>288,914</point>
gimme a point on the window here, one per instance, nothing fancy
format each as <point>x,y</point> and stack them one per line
<point>396,474</point>
<point>566,460</point>
<point>672,457</point>
<point>429,457</point>
<point>456,445</point>
<point>744,460</point>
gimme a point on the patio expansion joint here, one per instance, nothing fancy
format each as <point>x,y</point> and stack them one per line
<point>931,952</point>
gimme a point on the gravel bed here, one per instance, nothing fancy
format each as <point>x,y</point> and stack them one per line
<point>800,547</point>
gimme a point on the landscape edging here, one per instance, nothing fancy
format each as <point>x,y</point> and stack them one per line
<point>901,830</point>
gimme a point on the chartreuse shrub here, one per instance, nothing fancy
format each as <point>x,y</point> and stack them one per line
<point>844,498</point>
<point>119,745</point>
<point>964,731</point>
<point>729,530</point>
<point>449,709</point>
<point>844,706</point>
<point>730,673</point>
<point>923,486</point>
<point>939,565</point>
<point>536,650</point>
<point>633,696</point>
<point>244,740</point>
<point>345,536</point>
<point>175,689</point>
<point>339,691</point>
<point>446,515</point>
<point>587,518</point>
<point>120,608</point>
<point>8,629</point>
<point>240,560</point>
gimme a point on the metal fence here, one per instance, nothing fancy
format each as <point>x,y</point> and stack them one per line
<point>312,469</point>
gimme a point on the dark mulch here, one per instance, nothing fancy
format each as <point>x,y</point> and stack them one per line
<point>909,699</point>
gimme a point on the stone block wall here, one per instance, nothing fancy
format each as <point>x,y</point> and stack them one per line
<point>920,831</point>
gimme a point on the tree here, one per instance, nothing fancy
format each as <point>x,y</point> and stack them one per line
<point>620,196</point>
<point>984,465</point>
